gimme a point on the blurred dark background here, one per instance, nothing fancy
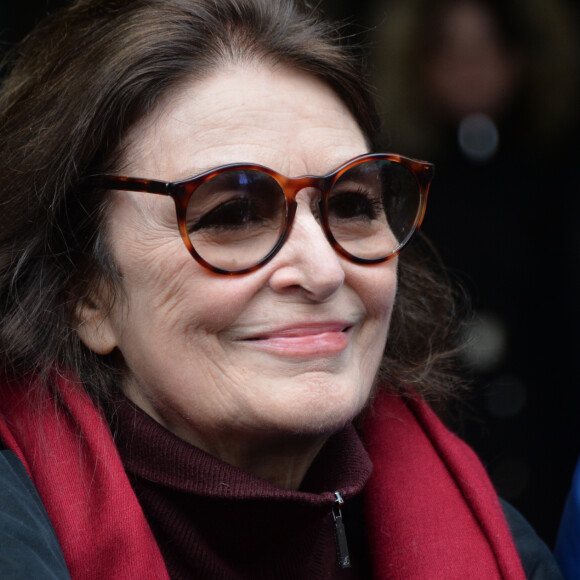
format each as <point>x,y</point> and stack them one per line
<point>489,91</point>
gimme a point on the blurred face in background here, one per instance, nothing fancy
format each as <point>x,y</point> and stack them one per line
<point>469,67</point>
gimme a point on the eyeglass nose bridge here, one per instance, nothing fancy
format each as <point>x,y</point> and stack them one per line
<point>292,186</point>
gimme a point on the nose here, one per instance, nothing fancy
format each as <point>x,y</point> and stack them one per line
<point>307,264</point>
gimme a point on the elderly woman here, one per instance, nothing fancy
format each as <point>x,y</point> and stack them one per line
<point>198,274</point>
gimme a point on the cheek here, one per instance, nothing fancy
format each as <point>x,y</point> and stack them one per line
<point>157,289</point>
<point>377,288</point>
<point>161,278</point>
<point>379,297</point>
<point>164,286</point>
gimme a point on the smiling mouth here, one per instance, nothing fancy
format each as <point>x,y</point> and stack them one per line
<point>309,341</point>
<point>299,332</point>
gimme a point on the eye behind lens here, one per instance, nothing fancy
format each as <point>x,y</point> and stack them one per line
<point>373,208</point>
<point>236,218</point>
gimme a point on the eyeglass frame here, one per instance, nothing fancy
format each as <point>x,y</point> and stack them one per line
<point>182,190</point>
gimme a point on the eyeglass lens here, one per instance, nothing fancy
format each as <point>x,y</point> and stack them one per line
<point>236,218</point>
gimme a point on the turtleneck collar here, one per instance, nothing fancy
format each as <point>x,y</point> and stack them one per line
<point>213,520</point>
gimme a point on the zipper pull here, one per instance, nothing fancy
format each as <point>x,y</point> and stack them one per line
<point>340,533</point>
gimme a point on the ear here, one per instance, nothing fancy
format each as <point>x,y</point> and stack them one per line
<point>95,324</point>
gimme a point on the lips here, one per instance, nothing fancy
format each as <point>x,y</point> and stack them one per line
<point>304,340</point>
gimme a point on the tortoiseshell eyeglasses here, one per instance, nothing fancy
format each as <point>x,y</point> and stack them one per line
<point>235,218</point>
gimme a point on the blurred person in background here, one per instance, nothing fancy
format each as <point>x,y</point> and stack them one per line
<point>489,91</point>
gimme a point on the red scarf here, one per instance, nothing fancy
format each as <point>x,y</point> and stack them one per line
<point>431,510</point>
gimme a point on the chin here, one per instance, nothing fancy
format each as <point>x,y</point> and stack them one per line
<point>320,417</point>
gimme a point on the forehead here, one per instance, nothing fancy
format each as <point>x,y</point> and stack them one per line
<point>279,117</point>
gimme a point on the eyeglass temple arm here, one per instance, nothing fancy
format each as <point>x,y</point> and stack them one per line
<point>425,175</point>
<point>131,184</point>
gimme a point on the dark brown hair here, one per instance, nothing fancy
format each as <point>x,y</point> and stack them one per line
<point>79,81</point>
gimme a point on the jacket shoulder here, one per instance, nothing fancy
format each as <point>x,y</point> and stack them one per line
<point>537,559</point>
<point>28,545</point>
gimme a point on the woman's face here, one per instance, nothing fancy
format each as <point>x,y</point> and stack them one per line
<point>288,351</point>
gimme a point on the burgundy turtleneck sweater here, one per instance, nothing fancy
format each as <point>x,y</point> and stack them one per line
<point>213,520</point>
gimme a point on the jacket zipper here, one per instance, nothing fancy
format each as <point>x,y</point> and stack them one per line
<point>340,533</point>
